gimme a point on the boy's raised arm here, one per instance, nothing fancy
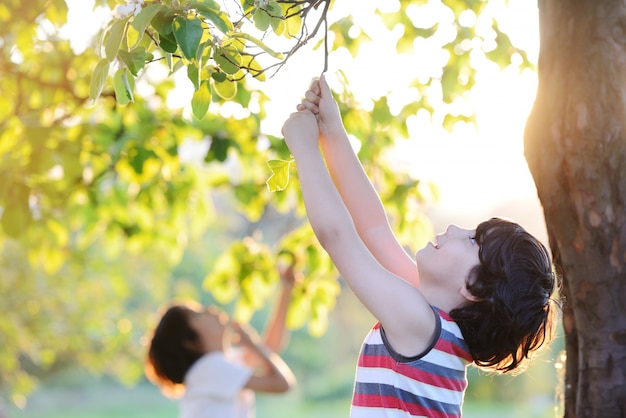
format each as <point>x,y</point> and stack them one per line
<point>275,332</point>
<point>393,301</point>
<point>355,188</point>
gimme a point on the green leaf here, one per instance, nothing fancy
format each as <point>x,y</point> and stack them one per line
<point>162,22</point>
<point>293,22</point>
<point>202,51</point>
<point>219,76</point>
<point>501,55</point>
<point>98,78</point>
<point>278,26</point>
<point>124,86</point>
<point>274,10</point>
<point>215,15</point>
<point>226,89</point>
<point>168,45</point>
<point>254,67</point>
<point>188,33</point>
<point>207,3</point>
<point>247,5</point>
<point>258,43</point>
<point>143,19</point>
<point>114,38</point>
<point>135,60</point>
<point>193,73</point>
<point>201,100</point>
<point>280,175</point>
<point>228,59</point>
<point>298,311</point>
<point>261,20</point>
<point>219,149</point>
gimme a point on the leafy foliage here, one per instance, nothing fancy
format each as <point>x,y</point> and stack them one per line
<point>214,46</point>
<point>105,189</point>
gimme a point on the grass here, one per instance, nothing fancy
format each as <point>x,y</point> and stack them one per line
<point>110,400</point>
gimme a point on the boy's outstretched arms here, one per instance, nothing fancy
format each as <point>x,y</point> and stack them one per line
<point>355,188</point>
<point>404,312</point>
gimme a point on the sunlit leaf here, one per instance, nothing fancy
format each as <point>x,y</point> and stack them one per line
<point>250,63</point>
<point>261,20</point>
<point>162,22</point>
<point>279,179</point>
<point>298,311</point>
<point>98,78</point>
<point>228,59</point>
<point>168,45</point>
<point>220,19</point>
<point>124,84</point>
<point>275,12</point>
<point>193,73</point>
<point>212,4</point>
<point>143,19</point>
<point>243,311</point>
<point>114,39</point>
<point>258,43</point>
<point>318,325</point>
<point>501,54</point>
<point>201,100</point>
<point>218,76</point>
<point>293,22</point>
<point>247,5</point>
<point>135,60</point>
<point>188,33</point>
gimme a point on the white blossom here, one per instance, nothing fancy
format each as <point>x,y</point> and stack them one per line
<point>132,7</point>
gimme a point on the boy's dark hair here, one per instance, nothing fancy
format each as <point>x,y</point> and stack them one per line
<point>514,282</point>
<point>170,354</point>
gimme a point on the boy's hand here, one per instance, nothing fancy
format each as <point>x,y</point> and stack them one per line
<point>245,334</point>
<point>319,100</point>
<point>301,132</point>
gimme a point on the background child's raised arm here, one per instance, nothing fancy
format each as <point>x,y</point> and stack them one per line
<point>275,333</point>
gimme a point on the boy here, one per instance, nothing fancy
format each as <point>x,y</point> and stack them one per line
<point>480,296</point>
<point>190,354</point>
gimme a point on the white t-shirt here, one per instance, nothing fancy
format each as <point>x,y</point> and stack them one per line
<point>214,388</point>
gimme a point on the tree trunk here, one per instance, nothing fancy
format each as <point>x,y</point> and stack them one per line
<point>575,146</point>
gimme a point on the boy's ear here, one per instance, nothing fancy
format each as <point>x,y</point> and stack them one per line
<point>192,345</point>
<point>467,295</point>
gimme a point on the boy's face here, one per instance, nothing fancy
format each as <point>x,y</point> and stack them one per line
<point>210,325</point>
<point>450,258</point>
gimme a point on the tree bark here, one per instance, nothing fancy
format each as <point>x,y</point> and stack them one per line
<point>575,146</point>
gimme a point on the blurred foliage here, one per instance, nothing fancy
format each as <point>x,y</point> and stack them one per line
<point>100,205</point>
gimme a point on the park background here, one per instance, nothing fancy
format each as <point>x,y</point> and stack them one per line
<point>478,173</point>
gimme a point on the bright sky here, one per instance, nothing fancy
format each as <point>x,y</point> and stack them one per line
<point>480,174</point>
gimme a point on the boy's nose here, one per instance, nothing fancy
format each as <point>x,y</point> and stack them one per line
<point>452,229</point>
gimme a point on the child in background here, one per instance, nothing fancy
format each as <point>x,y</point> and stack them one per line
<point>191,353</point>
<point>472,295</point>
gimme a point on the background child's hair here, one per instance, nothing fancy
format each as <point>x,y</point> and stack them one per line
<point>170,354</point>
<point>515,313</point>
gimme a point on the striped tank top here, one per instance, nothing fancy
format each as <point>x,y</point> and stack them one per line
<point>431,384</point>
